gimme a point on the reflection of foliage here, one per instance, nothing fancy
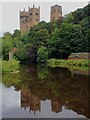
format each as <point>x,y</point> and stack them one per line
<point>0,77</point>
<point>0,47</point>
<point>27,73</point>
<point>42,71</point>
<point>10,66</point>
<point>0,65</point>
<point>11,80</point>
<point>57,85</point>
<point>0,70</point>
<point>42,55</point>
<point>51,79</point>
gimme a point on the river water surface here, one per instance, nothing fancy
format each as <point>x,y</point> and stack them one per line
<point>44,92</point>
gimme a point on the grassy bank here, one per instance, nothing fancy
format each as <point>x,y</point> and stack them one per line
<point>72,64</point>
<point>11,66</point>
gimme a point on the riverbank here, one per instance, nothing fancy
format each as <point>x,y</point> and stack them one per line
<point>76,64</point>
<point>13,66</point>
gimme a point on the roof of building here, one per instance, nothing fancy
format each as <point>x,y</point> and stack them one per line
<point>13,50</point>
<point>82,55</point>
<point>56,5</point>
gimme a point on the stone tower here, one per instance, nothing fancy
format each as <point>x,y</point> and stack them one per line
<point>56,13</point>
<point>29,18</point>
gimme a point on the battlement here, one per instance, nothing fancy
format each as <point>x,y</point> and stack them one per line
<point>37,8</point>
<point>30,9</point>
<point>24,13</point>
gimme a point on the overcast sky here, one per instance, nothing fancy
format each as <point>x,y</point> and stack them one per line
<point>10,11</point>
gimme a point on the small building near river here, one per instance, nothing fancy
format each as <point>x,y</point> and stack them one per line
<point>11,53</point>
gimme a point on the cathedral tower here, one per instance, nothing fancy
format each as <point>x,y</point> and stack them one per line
<point>29,18</point>
<point>56,13</point>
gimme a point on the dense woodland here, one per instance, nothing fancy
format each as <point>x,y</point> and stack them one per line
<point>51,40</point>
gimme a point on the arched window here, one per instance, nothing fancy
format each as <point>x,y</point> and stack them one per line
<point>30,13</point>
<point>36,13</point>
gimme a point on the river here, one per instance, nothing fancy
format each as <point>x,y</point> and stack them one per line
<point>45,92</point>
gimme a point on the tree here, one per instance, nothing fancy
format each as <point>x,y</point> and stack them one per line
<point>41,37</point>
<point>17,38</point>
<point>52,48</point>
<point>0,47</point>
<point>25,39</point>
<point>17,34</point>
<point>7,45</point>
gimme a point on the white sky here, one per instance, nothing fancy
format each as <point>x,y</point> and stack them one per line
<point>9,10</point>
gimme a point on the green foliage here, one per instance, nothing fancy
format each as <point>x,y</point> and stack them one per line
<point>25,39</point>
<point>68,18</point>
<point>77,33</point>
<point>72,36</point>
<point>41,37</point>
<point>41,25</point>
<point>0,65</point>
<point>35,30</point>
<point>58,47</point>
<point>0,47</point>
<point>42,54</point>
<point>7,45</point>
<point>79,64</point>
<point>10,66</point>
<point>17,34</point>
<point>21,54</point>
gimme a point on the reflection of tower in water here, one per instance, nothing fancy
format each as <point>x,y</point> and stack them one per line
<point>29,101</point>
<point>34,104</point>
<point>56,106</point>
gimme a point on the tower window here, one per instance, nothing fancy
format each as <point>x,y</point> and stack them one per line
<point>36,13</point>
<point>24,18</point>
<point>37,19</point>
<point>30,13</point>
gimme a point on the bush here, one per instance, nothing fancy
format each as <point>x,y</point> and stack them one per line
<point>68,63</point>
<point>10,66</point>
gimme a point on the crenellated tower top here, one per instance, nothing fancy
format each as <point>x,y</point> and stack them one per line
<point>29,18</point>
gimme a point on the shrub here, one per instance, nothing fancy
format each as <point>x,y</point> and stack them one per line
<point>10,66</point>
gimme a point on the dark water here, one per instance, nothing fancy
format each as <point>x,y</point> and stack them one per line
<point>44,92</point>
